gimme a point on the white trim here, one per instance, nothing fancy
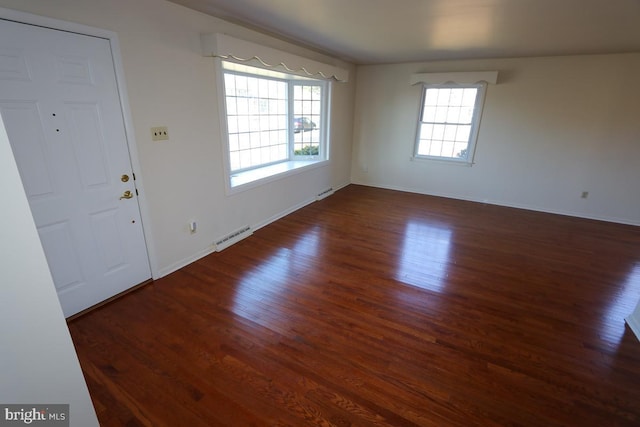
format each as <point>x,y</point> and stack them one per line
<point>133,155</point>
<point>475,123</point>
<point>56,24</point>
<point>500,203</point>
<point>292,209</point>
<point>261,175</point>
<point>230,48</point>
<point>467,77</point>
<point>212,248</point>
<point>185,261</point>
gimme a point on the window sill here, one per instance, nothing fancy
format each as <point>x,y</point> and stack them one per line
<point>442,160</point>
<point>249,179</point>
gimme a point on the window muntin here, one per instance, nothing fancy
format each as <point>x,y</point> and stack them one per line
<point>448,122</point>
<point>256,121</point>
<point>272,117</point>
<point>307,121</point>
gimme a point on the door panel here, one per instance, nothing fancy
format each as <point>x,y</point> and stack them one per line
<point>61,255</point>
<point>24,117</point>
<point>86,134</point>
<point>60,104</point>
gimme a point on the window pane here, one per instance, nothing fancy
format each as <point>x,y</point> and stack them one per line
<point>243,106</point>
<point>244,141</point>
<point>243,124</point>
<point>423,148</point>
<point>260,117</point>
<point>255,106</point>
<point>466,114</point>
<point>232,108</point>
<point>307,112</point>
<point>436,148</point>
<point>463,133</point>
<point>443,97</point>
<point>426,131</point>
<point>274,89</point>
<point>429,114</point>
<point>241,86</point>
<point>447,116</point>
<point>234,161</point>
<point>456,97</point>
<point>254,123</point>
<point>469,97</point>
<point>233,143</point>
<point>438,132</point>
<point>265,122</point>
<point>263,86</point>
<point>431,97</point>
<point>253,112</point>
<point>447,149</point>
<point>254,138</point>
<point>255,157</point>
<point>441,114</point>
<point>453,114</point>
<point>232,124</point>
<point>245,159</point>
<point>450,133</point>
<point>460,150</point>
<point>252,88</point>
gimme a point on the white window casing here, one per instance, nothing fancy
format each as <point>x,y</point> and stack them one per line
<point>441,135</point>
<point>307,148</point>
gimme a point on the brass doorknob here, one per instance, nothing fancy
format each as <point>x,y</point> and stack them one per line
<point>126,195</point>
<point>124,178</point>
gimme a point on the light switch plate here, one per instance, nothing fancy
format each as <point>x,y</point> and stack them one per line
<point>159,133</point>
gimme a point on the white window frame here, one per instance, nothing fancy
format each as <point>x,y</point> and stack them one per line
<point>475,122</point>
<point>254,176</point>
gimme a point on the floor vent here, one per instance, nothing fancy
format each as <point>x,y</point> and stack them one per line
<point>326,193</point>
<point>234,237</point>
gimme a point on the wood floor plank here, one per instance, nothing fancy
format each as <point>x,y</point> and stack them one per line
<point>375,307</point>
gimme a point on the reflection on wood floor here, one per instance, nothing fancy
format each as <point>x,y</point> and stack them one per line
<point>376,307</point>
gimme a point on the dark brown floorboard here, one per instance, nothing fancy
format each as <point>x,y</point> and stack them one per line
<point>375,308</point>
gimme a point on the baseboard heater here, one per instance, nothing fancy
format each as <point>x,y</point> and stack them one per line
<point>233,238</point>
<point>326,193</point>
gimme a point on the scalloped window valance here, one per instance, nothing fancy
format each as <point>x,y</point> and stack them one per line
<point>222,46</point>
<point>466,77</point>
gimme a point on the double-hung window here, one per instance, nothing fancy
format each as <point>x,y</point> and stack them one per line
<point>276,122</point>
<point>449,121</point>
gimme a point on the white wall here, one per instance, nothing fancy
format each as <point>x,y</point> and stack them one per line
<point>551,129</point>
<point>39,363</point>
<point>171,84</point>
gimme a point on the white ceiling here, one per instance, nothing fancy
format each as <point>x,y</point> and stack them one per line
<point>388,31</point>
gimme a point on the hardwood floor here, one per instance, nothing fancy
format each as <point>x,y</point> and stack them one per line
<point>373,308</point>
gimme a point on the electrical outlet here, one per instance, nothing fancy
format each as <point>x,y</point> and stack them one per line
<point>159,133</point>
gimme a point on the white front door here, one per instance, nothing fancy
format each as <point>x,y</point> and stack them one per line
<point>60,104</point>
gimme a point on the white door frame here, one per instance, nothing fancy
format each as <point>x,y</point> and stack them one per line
<point>56,24</point>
